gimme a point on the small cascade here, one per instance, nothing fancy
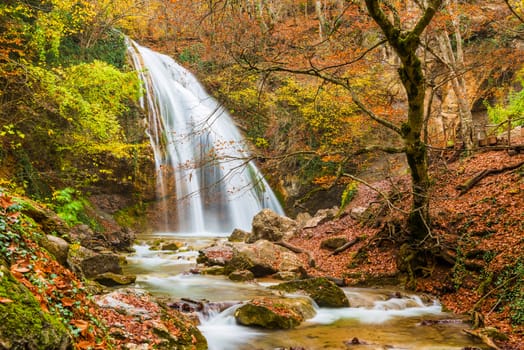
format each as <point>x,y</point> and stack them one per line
<point>205,180</point>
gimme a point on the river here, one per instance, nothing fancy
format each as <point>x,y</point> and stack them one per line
<point>379,318</point>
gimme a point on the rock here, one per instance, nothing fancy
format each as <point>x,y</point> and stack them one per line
<point>89,264</point>
<point>47,218</point>
<point>161,244</point>
<point>275,312</point>
<point>238,235</point>
<point>174,329</point>
<point>321,216</point>
<point>24,325</point>
<point>323,291</point>
<point>241,276</point>
<point>112,279</point>
<point>357,213</point>
<point>302,219</point>
<point>333,243</point>
<point>213,270</point>
<point>218,254</point>
<point>270,226</point>
<point>58,247</point>
<point>289,275</point>
<point>263,258</point>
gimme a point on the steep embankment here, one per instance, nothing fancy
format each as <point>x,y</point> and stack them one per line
<point>45,305</point>
<point>479,264</point>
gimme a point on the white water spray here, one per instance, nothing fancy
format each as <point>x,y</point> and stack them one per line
<point>205,179</point>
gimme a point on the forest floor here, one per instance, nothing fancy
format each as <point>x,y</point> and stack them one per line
<point>479,234</point>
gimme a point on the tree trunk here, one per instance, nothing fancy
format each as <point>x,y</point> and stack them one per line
<point>405,44</point>
<point>455,63</point>
<point>321,18</point>
<point>416,152</point>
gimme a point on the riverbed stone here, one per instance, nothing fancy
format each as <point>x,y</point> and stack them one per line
<point>270,226</point>
<point>161,244</point>
<point>323,291</point>
<point>275,312</point>
<point>241,276</point>
<point>214,270</point>
<point>263,258</point>
<point>218,254</point>
<point>238,235</point>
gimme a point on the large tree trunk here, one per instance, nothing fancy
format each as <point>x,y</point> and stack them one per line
<point>416,152</point>
<point>405,44</point>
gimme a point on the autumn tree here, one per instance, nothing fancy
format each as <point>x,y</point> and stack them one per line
<point>347,42</point>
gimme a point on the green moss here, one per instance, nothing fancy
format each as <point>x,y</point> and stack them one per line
<point>256,315</point>
<point>323,291</point>
<point>24,324</point>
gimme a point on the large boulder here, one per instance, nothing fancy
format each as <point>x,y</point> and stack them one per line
<point>24,324</point>
<point>238,235</point>
<point>218,254</point>
<point>270,226</point>
<point>263,258</point>
<point>275,312</point>
<point>173,329</point>
<point>58,247</point>
<point>324,292</point>
<point>89,264</point>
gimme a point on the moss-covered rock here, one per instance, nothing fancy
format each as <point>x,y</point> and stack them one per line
<point>275,312</point>
<point>111,279</point>
<point>323,291</point>
<point>24,324</point>
<point>241,276</point>
<point>179,332</point>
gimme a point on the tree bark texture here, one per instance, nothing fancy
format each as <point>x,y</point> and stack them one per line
<point>405,44</point>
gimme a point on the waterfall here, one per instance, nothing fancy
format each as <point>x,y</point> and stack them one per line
<point>205,180</point>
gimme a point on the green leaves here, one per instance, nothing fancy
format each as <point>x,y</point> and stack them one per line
<point>513,108</point>
<point>90,98</point>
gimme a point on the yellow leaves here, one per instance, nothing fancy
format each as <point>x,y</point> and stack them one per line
<point>325,181</point>
<point>332,158</point>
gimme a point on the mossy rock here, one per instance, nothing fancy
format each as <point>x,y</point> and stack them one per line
<point>324,292</point>
<point>24,324</point>
<point>111,279</point>
<point>179,332</point>
<point>275,313</point>
<point>241,276</point>
<point>215,270</point>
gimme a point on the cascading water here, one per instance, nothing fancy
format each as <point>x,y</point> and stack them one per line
<point>203,169</point>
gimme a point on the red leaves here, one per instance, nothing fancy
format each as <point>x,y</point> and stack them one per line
<point>5,201</point>
<point>5,300</point>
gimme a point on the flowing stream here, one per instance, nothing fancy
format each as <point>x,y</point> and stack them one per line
<point>380,318</point>
<point>208,187</point>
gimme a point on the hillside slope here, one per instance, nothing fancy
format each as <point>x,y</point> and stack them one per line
<point>477,262</point>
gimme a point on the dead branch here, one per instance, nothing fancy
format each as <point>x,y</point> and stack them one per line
<point>347,245</point>
<point>466,186</point>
